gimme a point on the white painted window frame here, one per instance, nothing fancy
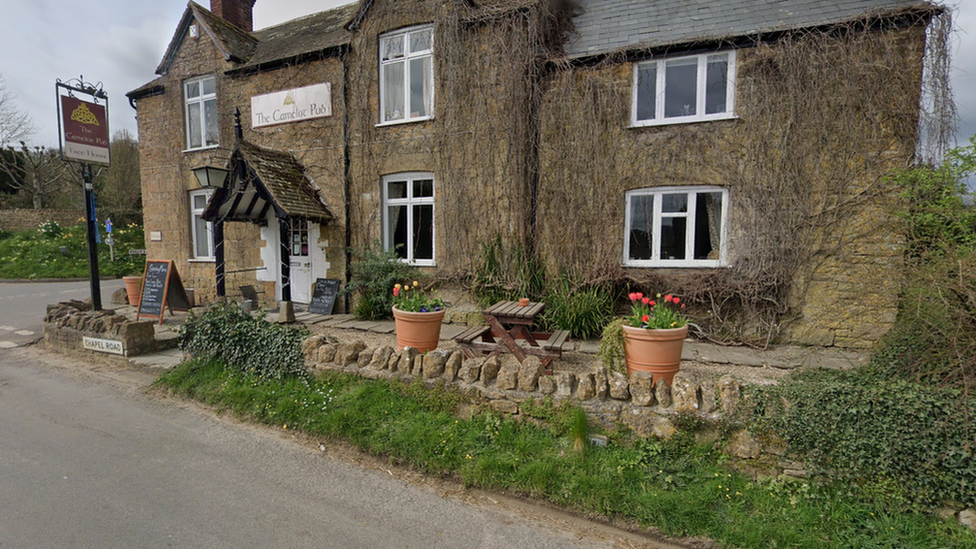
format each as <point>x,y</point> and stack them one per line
<point>196,213</point>
<point>407,57</point>
<point>201,100</point>
<point>409,202</point>
<point>700,116</point>
<point>691,214</point>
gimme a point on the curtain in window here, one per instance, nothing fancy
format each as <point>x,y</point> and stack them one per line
<point>713,206</point>
<point>393,91</point>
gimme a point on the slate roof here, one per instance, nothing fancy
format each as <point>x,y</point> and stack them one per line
<point>314,33</point>
<point>606,26</point>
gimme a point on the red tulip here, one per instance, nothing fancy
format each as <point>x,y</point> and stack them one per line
<point>668,298</point>
<point>651,303</point>
<point>646,300</point>
<point>396,292</point>
<point>645,318</point>
<point>676,301</point>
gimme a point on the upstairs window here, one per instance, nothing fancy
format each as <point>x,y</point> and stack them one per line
<point>407,75</point>
<point>676,227</point>
<point>200,95</point>
<point>684,89</point>
<point>408,216</point>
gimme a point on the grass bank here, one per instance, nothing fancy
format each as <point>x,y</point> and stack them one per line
<point>677,485</point>
<point>53,251</point>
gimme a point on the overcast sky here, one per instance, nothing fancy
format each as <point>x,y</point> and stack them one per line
<point>120,43</point>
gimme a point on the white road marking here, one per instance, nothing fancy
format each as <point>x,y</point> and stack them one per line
<point>7,344</point>
<point>8,328</point>
<point>24,333</point>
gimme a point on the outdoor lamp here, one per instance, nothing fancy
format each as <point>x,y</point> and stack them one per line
<point>210,176</point>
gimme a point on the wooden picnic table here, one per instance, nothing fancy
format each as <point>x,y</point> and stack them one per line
<point>507,322</point>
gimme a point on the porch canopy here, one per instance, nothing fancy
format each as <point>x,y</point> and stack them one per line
<point>262,180</point>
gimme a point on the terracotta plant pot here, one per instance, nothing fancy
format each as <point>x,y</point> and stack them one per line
<point>418,330</point>
<point>654,351</point>
<point>523,302</point>
<point>133,289</point>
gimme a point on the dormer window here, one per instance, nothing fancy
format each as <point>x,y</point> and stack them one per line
<point>407,75</point>
<point>200,95</point>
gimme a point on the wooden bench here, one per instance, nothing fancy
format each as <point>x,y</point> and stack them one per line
<point>556,341</point>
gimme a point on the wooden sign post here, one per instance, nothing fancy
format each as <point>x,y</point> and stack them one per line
<point>161,287</point>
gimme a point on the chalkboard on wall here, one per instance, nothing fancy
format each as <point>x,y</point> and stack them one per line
<point>161,287</point>
<point>323,296</point>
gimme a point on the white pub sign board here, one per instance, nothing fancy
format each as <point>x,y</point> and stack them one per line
<point>293,105</point>
<point>103,345</point>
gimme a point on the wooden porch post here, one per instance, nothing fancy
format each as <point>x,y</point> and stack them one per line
<point>285,259</point>
<point>219,256</point>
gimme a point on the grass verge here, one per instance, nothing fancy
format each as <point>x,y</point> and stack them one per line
<point>39,254</point>
<point>677,485</point>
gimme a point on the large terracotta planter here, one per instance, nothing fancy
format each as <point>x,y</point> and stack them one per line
<point>654,351</point>
<point>133,289</point>
<point>418,330</point>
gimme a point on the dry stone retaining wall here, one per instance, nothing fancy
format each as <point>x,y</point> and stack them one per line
<point>609,399</point>
<point>67,323</point>
<point>20,219</point>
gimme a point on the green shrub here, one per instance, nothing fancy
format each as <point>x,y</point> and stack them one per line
<point>873,430</point>
<point>374,274</point>
<point>583,310</point>
<point>250,344</point>
<point>507,274</point>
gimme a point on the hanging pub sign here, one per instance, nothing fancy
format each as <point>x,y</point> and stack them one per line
<point>84,126</point>
<point>293,105</point>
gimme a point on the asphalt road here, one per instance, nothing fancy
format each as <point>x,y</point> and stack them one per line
<point>89,460</point>
<point>22,306</point>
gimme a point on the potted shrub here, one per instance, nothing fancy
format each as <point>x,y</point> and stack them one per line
<point>417,316</point>
<point>651,337</point>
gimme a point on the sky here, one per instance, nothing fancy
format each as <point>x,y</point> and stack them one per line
<point>120,42</point>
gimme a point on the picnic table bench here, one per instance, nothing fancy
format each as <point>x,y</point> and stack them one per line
<point>508,322</point>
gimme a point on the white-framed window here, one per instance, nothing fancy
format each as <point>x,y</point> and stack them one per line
<point>676,227</point>
<point>692,88</point>
<point>200,95</point>
<point>201,231</point>
<point>407,75</point>
<point>408,216</point>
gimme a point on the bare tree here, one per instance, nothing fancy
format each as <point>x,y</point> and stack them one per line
<point>15,125</point>
<point>35,172</point>
<point>119,186</point>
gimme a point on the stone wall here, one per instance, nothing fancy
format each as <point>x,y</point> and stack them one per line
<point>608,398</point>
<point>823,154</point>
<point>22,219</point>
<point>166,164</point>
<point>67,323</point>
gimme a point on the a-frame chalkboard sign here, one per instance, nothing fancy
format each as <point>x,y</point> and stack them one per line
<point>161,287</point>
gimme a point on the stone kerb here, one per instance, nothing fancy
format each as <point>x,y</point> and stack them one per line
<point>609,399</point>
<point>66,324</point>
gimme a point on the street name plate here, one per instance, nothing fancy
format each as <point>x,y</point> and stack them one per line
<point>103,345</point>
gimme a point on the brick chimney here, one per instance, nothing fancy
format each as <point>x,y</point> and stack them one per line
<point>235,12</point>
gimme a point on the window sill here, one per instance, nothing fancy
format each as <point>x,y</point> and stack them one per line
<point>407,121</point>
<point>198,149</point>
<point>676,265</point>
<point>676,121</point>
<point>202,260</point>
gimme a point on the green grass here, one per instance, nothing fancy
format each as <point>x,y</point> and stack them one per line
<point>32,254</point>
<point>677,485</point>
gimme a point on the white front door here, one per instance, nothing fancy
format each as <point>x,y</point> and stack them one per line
<point>300,261</point>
